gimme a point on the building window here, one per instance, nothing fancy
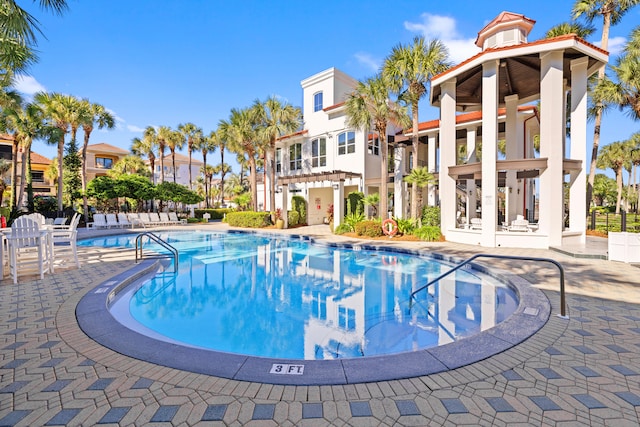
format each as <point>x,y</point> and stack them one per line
<point>278,160</point>
<point>373,145</point>
<point>295,157</point>
<point>347,143</point>
<point>317,102</point>
<point>347,318</point>
<point>104,163</point>
<point>37,177</point>
<point>318,152</point>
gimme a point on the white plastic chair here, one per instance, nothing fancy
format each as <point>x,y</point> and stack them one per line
<point>64,242</point>
<point>135,220</point>
<point>145,219</point>
<point>173,217</point>
<point>99,221</point>
<point>60,221</point>
<point>124,221</point>
<point>112,221</point>
<point>29,247</point>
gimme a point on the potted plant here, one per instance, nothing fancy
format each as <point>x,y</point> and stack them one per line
<point>279,220</point>
<point>330,216</point>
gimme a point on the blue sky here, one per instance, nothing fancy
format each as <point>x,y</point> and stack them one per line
<point>166,62</point>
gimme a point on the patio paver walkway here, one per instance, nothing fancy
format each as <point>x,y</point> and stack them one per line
<point>580,371</point>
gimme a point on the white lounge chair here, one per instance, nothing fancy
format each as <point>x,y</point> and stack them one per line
<point>154,218</point>
<point>144,217</point>
<point>164,218</point>
<point>29,247</point>
<point>123,221</point>
<point>64,242</point>
<point>99,221</point>
<point>134,219</point>
<point>519,225</point>
<point>112,221</point>
<point>60,221</point>
<point>173,217</point>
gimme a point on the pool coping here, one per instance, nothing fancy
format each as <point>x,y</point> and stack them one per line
<point>95,320</point>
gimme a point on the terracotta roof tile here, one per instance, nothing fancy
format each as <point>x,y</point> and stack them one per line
<point>39,159</point>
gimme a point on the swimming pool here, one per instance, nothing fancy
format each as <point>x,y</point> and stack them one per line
<point>256,295</point>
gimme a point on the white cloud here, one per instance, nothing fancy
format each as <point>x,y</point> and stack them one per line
<point>444,29</point>
<point>616,44</point>
<point>134,128</point>
<point>368,61</point>
<point>28,85</point>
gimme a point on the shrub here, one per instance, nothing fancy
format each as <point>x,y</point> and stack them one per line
<point>351,219</point>
<point>368,228</point>
<point>215,213</point>
<point>355,203</point>
<point>299,205</point>
<point>293,218</point>
<point>405,226</point>
<point>342,228</point>
<point>249,219</point>
<point>428,233</point>
<point>431,216</point>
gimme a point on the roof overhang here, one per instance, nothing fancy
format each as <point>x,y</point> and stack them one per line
<point>519,70</point>
<point>318,177</point>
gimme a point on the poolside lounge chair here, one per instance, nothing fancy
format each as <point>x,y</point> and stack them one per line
<point>124,221</point>
<point>112,221</point>
<point>144,218</point>
<point>154,218</point>
<point>173,217</point>
<point>134,219</point>
<point>164,218</point>
<point>519,225</point>
<point>64,242</point>
<point>99,221</point>
<point>29,247</point>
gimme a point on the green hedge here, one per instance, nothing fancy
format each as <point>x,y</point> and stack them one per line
<point>293,218</point>
<point>249,219</point>
<point>368,228</point>
<point>215,213</point>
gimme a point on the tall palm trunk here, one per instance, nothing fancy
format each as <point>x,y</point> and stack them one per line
<point>173,163</point>
<point>60,173</point>
<point>83,174</point>
<point>206,188</point>
<point>222,173</point>
<point>272,176</point>
<point>415,144</point>
<point>253,182</point>
<point>190,150</point>
<point>14,172</point>
<point>604,44</point>
<point>384,154</point>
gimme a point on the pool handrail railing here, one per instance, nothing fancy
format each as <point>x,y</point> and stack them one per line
<point>522,258</point>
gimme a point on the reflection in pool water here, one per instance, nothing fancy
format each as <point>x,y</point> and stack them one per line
<point>288,298</point>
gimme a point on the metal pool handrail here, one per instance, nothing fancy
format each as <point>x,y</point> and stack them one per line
<point>158,240</point>
<point>523,258</point>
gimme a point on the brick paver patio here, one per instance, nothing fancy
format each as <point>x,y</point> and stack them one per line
<point>580,371</point>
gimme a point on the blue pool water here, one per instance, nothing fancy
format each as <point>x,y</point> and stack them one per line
<point>274,297</point>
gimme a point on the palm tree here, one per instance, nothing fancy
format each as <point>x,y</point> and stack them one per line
<point>611,12</point>
<point>420,177</point>
<point>193,135</point>
<point>146,147</point>
<point>564,28</point>
<point>206,146</point>
<point>409,69</point>
<point>130,165</point>
<point>94,114</point>
<point>368,107</point>
<point>217,139</point>
<point>60,110</point>
<point>5,167</point>
<point>175,142</point>
<point>162,138</point>
<point>18,33</point>
<point>614,156</point>
<point>207,171</point>
<point>275,120</point>
<point>241,136</point>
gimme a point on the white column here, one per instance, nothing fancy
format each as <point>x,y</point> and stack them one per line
<point>489,152</point>
<point>285,205</point>
<point>578,191</point>
<point>552,127</point>
<point>399,204</point>
<point>338,203</point>
<point>512,142</point>
<point>431,164</point>
<point>447,155</point>
<point>471,183</point>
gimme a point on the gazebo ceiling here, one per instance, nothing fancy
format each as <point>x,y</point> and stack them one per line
<point>519,71</point>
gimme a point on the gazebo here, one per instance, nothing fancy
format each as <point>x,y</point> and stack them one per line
<point>507,75</point>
